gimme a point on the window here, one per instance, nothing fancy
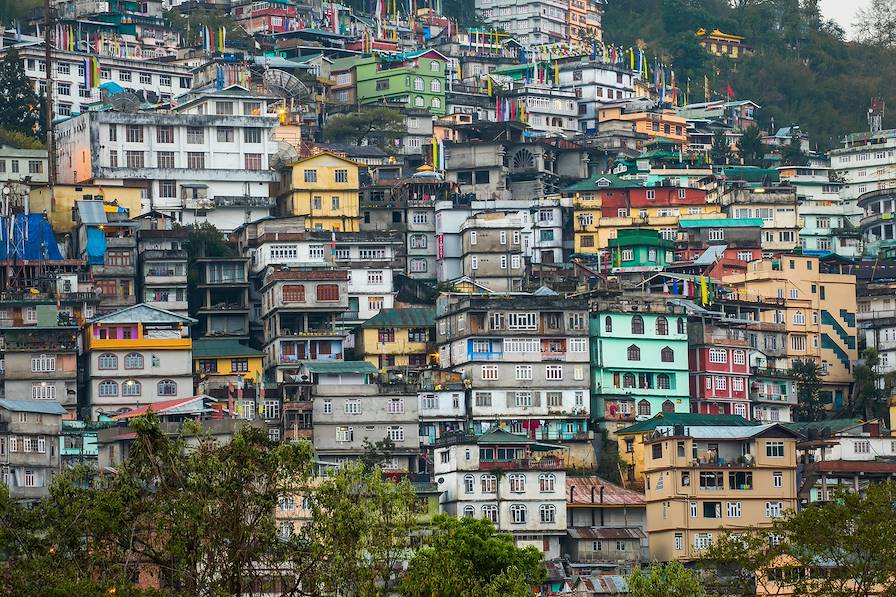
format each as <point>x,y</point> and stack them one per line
<point>634,353</point>
<point>252,136</point>
<point>224,134</point>
<point>167,188</point>
<point>195,160</point>
<point>518,514</point>
<point>195,135</point>
<point>131,387</point>
<point>637,324</point>
<point>799,318</point>
<point>740,357</point>
<point>734,510</point>
<point>43,363</point>
<point>522,321</point>
<point>395,406</point>
<point>524,372</point>
<point>862,447</point>
<point>548,513</point>
<point>482,398</point>
<point>165,159</point>
<point>107,361</point>
<point>778,479</point>
<point>145,79</point>
<point>553,372</point>
<point>716,234</point>
<point>328,407</point>
<point>385,335</point>
<point>345,434</point>
<point>554,399</point>
<point>489,372</point>
<point>774,509</point>
<point>774,449</point>
<point>134,159</point>
<point>517,482</point>
<point>643,406</point>
<point>253,161</point>
<point>667,355</point>
<point>327,292</point>
<point>718,355</point>
<point>490,512</point>
<point>663,381</point>
<point>679,541</point>
<point>294,293</point>
<point>133,360</point>
<point>469,511</point>
<point>702,541</point>
<point>547,482</point>
<point>239,365</point>
<point>469,484</point>
<point>134,133</point>
<point>662,326</point>
<point>167,387</point>
<point>628,381</point>
<point>352,407</point>
<point>43,391</point>
<point>522,399</point>
<point>108,388</point>
<point>395,433</point>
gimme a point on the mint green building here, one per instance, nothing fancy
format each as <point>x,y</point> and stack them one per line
<point>640,250</point>
<point>639,362</point>
<point>407,80</point>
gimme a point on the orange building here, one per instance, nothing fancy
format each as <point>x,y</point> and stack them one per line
<point>656,124</point>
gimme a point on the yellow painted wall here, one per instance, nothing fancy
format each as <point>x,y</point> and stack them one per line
<point>256,367</point>
<point>371,348</point>
<point>300,197</point>
<point>138,343</point>
<point>59,211</point>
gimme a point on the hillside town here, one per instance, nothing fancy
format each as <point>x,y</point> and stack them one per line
<point>542,280</point>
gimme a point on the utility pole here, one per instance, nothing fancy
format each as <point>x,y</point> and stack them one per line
<point>48,94</point>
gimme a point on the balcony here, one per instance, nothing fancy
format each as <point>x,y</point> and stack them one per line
<point>290,434</point>
<point>486,356</point>
<point>544,464</point>
<point>553,356</point>
<point>292,359</point>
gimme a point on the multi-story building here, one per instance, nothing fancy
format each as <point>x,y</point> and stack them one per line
<point>817,310</point>
<point>223,297</point>
<point>583,22</point>
<point>29,446</point>
<point>703,482</point>
<point>60,204</point>
<point>776,206</point>
<point>635,250</point>
<point>271,16</point>
<point>299,310</point>
<point>719,364</point>
<point>204,160</point>
<point>605,525</point>
<point>511,480</point>
<point>324,189</point>
<point>732,243</point>
<point>877,225</point>
<point>492,251</point>
<point>526,359</point>
<point>21,162</point>
<point>162,258</point>
<point>723,44</point>
<point>865,162</point>
<point>877,321</point>
<point>549,110</point>
<point>411,80</point>
<point>40,361</point>
<point>107,242</point>
<point>595,84</point>
<point>151,79</point>
<point>225,362</point>
<point>351,411</point>
<point>442,408</point>
<point>644,118</point>
<point>639,360</point>
<point>136,357</point>
<point>531,22</point>
<point>400,337</point>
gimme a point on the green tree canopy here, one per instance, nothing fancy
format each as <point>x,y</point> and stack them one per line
<point>466,558</point>
<point>810,406</point>
<point>720,151</point>
<point>752,150</point>
<point>21,107</point>
<point>670,580</point>
<point>377,126</point>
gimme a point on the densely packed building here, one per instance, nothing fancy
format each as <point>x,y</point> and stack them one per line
<point>512,263</point>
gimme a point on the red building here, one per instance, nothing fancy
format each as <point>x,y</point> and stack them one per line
<point>270,16</point>
<point>719,363</point>
<point>649,201</point>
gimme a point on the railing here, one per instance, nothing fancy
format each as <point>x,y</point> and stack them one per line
<point>551,464</point>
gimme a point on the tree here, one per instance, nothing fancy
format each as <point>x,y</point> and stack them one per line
<point>752,150</point>
<point>810,406</point>
<point>848,546</point>
<point>721,150</point>
<point>377,126</point>
<point>792,154</point>
<point>376,453</point>
<point>360,531</point>
<point>869,400</point>
<point>203,240</point>
<point>876,23</point>
<point>466,558</point>
<point>671,580</point>
<point>21,107</point>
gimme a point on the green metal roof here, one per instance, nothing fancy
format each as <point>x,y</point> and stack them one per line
<point>499,436</point>
<point>417,317</point>
<point>339,367</point>
<point>722,223</point>
<point>208,349</point>
<point>835,425</point>
<point>687,419</point>
<point>640,236</point>
<point>614,181</point>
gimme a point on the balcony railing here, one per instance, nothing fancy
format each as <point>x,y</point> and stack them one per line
<point>546,464</point>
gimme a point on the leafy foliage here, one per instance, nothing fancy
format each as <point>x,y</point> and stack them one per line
<point>802,69</point>
<point>847,546</point>
<point>810,406</point>
<point>204,240</point>
<point>720,152</point>
<point>377,126</point>
<point>466,558</point>
<point>671,580</point>
<point>869,400</point>
<point>21,107</point>
<point>751,147</point>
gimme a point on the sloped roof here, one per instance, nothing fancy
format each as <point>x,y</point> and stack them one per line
<point>91,212</point>
<point>210,348</point>
<point>578,492</point>
<point>605,533</point>
<point>46,407</point>
<point>142,313</point>
<point>339,367</point>
<point>417,317</point>
<point>603,181</point>
<point>499,436</point>
<point>164,406</point>
<point>687,419</point>
<point>835,425</point>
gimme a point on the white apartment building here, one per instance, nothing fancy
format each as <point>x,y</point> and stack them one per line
<point>517,483</point>
<point>593,84</point>
<point>865,162</point>
<point>528,21</point>
<point>205,160</point>
<point>156,81</point>
<point>551,111</point>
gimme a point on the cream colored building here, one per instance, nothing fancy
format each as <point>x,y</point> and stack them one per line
<point>818,311</point>
<point>703,482</point>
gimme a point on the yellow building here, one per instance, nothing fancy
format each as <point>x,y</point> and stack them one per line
<point>816,309</point>
<point>323,188</point>
<point>216,363</point>
<point>630,441</point>
<point>398,338</point>
<point>656,124</point>
<point>59,206</point>
<point>702,482</point>
<point>722,44</point>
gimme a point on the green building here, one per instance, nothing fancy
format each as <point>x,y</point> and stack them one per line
<point>407,80</point>
<point>640,250</point>
<point>639,361</point>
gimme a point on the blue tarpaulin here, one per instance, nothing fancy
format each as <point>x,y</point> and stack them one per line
<point>96,246</point>
<point>28,237</point>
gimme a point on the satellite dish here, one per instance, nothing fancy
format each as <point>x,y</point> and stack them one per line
<point>282,84</point>
<point>286,154</point>
<point>124,101</point>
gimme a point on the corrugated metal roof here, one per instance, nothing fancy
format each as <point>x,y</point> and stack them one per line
<point>403,318</point>
<point>92,212</point>
<point>142,313</point>
<point>578,492</point>
<point>711,255</point>
<point>721,432</point>
<point>614,533</point>
<point>47,407</point>
<point>686,419</point>
<point>339,367</point>
<point>210,348</point>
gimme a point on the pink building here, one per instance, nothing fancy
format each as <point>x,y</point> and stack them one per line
<point>719,363</point>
